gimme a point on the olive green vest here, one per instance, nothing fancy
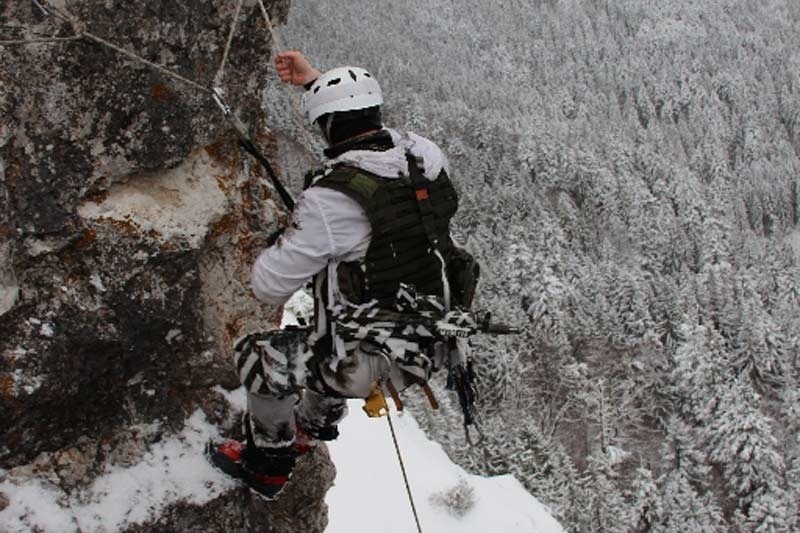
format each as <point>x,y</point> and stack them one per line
<point>406,214</point>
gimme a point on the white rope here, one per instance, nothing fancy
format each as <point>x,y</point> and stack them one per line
<point>81,32</point>
<point>41,7</point>
<point>275,37</point>
<point>402,468</point>
<point>140,59</point>
<point>14,42</point>
<point>277,47</point>
<point>221,69</point>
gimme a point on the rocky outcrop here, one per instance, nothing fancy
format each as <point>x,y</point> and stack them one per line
<point>129,219</point>
<point>236,511</point>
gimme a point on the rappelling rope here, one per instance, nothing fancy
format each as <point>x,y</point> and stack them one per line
<point>277,44</point>
<point>403,468</point>
<point>221,69</point>
<point>13,42</point>
<point>275,37</point>
<point>80,32</point>
<point>215,92</point>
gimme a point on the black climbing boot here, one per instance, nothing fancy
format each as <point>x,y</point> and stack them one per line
<point>265,470</point>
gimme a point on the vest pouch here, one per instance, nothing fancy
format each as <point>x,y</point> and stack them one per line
<point>463,272</point>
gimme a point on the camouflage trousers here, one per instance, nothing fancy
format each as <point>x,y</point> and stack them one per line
<point>287,384</point>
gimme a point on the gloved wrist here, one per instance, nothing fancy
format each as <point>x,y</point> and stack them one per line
<point>273,238</point>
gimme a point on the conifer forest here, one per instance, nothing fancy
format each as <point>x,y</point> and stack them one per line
<point>629,180</point>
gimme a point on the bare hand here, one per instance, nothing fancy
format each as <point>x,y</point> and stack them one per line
<point>294,68</point>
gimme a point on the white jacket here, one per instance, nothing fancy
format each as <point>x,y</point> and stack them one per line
<point>328,227</point>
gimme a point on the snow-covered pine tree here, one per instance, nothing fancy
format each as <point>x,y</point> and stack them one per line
<point>739,441</point>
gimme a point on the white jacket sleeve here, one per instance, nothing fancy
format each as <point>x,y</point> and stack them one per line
<point>326,226</point>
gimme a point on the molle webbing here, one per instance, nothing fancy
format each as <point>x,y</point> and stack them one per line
<point>400,249</point>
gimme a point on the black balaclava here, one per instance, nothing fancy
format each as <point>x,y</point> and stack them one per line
<point>341,125</point>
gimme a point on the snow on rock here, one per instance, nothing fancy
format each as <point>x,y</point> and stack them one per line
<point>97,282</point>
<point>179,205</point>
<point>369,486</point>
<point>174,470</point>
<point>47,330</point>
<point>8,297</point>
<point>301,304</point>
<point>237,398</point>
<point>9,290</point>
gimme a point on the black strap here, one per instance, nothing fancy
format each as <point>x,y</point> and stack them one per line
<point>251,149</point>
<point>422,191</point>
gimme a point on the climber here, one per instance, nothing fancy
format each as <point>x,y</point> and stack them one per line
<point>371,224</point>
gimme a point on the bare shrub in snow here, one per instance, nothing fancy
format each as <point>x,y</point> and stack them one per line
<point>457,500</point>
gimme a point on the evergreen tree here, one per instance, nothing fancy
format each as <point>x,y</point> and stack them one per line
<point>698,373</point>
<point>646,507</point>
<point>760,348</point>
<point>605,509</point>
<point>687,503</point>
<point>740,441</point>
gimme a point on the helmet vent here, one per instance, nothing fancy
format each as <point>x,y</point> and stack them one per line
<point>335,81</point>
<point>316,89</point>
<point>367,74</point>
<point>352,75</point>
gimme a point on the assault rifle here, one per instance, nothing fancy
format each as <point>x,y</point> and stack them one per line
<point>461,376</point>
<point>459,323</point>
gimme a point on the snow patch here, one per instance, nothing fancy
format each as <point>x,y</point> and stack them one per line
<point>97,282</point>
<point>175,470</point>
<point>22,382</point>
<point>369,486</point>
<point>179,205</point>
<point>47,329</point>
<point>172,335</point>
<point>9,294</point>
<point>9,289</point>
<point>15,354</point>
<point>236,398</point>
<point>301,304</point>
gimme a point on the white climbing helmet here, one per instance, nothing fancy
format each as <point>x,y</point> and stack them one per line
<point>341,89</point>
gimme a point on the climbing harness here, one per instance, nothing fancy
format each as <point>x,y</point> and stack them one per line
<point>215,91</point>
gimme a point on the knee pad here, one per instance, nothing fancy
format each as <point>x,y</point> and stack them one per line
<point>354,375</point>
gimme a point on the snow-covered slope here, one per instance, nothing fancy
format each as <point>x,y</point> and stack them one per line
<point>369,486</point>
<point>174,470</point>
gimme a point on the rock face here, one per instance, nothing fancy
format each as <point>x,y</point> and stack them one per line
<point>129,219</point>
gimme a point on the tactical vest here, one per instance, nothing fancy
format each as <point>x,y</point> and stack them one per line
<point>406,214</point>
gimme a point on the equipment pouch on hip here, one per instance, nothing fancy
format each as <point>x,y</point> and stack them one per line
<point>463,272</point>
